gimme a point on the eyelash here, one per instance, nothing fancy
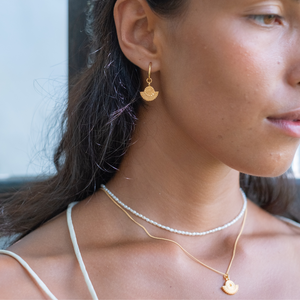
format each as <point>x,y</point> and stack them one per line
<point>260,19</point>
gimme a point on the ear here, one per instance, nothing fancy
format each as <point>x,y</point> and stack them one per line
<point>136,29</point>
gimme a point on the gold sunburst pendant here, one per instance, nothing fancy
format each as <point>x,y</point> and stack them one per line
<point>149,94</point>
<point>230,288</point>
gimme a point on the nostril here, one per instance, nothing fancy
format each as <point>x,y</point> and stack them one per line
<point>294,75</point>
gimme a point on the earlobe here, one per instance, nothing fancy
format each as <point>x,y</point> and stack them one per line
<point>135,25</point>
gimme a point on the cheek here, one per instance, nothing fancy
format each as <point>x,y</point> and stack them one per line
<point>220,92</point>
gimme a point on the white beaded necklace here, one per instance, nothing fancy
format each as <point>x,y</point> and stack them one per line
<point>175,230</point>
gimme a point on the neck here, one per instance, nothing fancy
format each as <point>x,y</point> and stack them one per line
<point>177,184</point>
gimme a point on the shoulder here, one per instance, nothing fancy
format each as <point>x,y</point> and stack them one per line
<point>271,247</point>
<point>273,234</point>
<point>49,252</point>
<point>290,237</point>
<point>263,222</point>
<point>273,230</point>
<point>14,280</point>
<point>293,226</point>
<point>43,250</point>
<point>285,248</point>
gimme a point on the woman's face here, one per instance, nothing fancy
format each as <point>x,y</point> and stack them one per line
<point>230,72</point>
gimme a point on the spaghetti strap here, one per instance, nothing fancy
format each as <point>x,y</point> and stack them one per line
<point>289,221</point>
<point>31,272</point>
<point>77,252</point>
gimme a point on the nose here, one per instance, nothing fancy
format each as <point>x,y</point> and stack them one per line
<point>293,55</point>
<point>294,78</point>
<point>293,52</point>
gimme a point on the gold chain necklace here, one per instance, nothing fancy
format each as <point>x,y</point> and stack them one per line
<point>229,287</point>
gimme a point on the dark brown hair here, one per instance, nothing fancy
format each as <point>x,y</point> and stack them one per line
<point>96,131</point>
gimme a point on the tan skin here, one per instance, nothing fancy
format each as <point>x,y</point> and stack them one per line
<point>221,70</point>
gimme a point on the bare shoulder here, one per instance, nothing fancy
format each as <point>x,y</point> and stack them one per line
<point>277,234</point>
<point>51,239</point>
<point>43,250</point>
<point>294,227</point>
<point>270,224</point>
<point>15,282</point>
<point>291,238</point>
<point>49,252</point>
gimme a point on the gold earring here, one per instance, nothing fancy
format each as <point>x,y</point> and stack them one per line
<point>149,94</point>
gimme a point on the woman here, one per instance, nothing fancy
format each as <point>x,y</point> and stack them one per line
<point>227,75</point>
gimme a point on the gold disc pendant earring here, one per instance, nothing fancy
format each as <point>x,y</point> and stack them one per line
<point>149,94</point>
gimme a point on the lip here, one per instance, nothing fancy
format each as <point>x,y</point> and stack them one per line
<point>289,127</point>
<point>293,115</point>
<point>289,122</point>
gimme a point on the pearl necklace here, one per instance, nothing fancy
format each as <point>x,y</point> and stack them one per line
<point>229,287</point>
<point>175,230</point>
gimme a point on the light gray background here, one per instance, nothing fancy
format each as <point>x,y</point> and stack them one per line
<point>33,80</point>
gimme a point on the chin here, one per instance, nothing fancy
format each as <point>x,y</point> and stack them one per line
<point>271,174</point>
<point>271,166</point>
<point>268,171</point>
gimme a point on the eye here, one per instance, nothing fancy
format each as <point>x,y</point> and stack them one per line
<point>267,20</point>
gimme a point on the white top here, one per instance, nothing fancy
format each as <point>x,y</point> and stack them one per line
<point>89,284</point>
